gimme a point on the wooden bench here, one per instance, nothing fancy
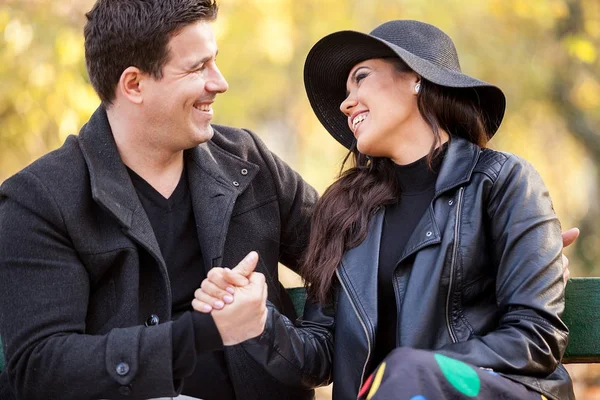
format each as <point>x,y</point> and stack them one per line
<point>582,316</point>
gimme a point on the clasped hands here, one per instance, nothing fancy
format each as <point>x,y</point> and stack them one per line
<point>243,318</point>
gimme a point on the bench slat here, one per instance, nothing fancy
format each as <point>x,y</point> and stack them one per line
<point>582,316</point>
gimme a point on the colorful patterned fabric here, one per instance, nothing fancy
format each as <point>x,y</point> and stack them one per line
<point>410,374</point>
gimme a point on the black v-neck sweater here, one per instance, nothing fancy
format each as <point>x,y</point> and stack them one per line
<point>197,347</point>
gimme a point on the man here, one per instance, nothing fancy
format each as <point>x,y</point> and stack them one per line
<point>105,240</point>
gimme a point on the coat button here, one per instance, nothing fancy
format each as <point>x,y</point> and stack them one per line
<point>122,369</point>
<point>244,172</point>
<point>125,390</point>
<point>152,320</point>
<point>429,233</point>
<point>236,183</point>
<point>451,202</point>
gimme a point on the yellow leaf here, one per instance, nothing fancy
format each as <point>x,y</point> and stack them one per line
<point>582,49</point>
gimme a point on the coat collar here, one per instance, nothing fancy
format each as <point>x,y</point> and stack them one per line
<point>456,170</point>
<point>215,183</point>
<point>458,164</point>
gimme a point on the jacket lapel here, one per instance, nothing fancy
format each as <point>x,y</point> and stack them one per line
<point>111,185</point>
<point>215,183</point>
<point>359,271</point>
<point>456,170</point>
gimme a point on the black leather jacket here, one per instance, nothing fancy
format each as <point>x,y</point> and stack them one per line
<point>486,287</point>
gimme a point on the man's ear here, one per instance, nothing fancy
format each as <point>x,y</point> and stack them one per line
<point>129,85</point>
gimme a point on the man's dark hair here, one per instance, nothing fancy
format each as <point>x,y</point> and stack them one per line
<point>123,33</point>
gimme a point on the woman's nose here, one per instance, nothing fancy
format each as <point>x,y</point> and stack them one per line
<point>347,105</point>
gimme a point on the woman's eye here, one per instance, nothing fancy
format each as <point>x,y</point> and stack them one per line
<point>360,77</point>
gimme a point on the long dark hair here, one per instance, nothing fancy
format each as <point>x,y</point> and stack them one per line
<point>341,217</point>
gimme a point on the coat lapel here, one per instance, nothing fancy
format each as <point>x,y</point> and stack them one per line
<point>215,184</point>
<point>456,170</point>
<point>111,185</point>
<point>426,233</point>
<point>359,270</point>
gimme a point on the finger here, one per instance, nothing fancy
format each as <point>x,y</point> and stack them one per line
<point>256,278</point>
<point>235,278</point>
<point>247,265</point>
<point>218,277</point>
<point>569,236</point>
<point>199,294</point>
<point>201,306</point>
<point>205,298</point>
<point>222,297</point>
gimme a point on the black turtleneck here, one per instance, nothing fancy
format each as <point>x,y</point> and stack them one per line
<point>417,187</point>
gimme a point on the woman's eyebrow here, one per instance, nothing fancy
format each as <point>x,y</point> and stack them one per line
<point>353,76</point>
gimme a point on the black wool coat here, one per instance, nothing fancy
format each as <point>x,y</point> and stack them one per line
<point>81,270</point>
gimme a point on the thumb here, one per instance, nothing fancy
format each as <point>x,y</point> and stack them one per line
<point>247,265</point>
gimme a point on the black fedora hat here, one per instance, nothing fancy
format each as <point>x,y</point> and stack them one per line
<point>424,48</point>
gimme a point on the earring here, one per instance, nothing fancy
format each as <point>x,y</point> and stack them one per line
<point>417,88</point>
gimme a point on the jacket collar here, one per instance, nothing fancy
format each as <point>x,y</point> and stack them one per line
<point>458,164</point>
<point>215,183</point>
<point>456,170</point>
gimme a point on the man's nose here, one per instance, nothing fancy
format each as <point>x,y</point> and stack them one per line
<point>217,82</point>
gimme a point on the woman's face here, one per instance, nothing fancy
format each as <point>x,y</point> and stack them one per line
<point>381,106</point>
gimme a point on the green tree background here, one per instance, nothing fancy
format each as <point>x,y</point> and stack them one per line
<point>543,53</point>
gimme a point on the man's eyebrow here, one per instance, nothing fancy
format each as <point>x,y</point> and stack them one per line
<point>198,63</point>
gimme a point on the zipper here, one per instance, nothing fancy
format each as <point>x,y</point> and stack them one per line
<point>362,323</point>
<point>452,262</point>
<point>399,302</point>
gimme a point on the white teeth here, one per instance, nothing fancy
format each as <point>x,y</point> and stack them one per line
<point>358,119</point>
<point>202,107</point>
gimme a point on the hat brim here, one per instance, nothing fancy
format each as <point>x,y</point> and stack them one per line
<point>331,59</point>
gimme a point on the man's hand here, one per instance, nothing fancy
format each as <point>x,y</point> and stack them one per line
<point>568,238</point>
<point>246,318</point>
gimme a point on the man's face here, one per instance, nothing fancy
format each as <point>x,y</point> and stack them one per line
<point>178,107</point>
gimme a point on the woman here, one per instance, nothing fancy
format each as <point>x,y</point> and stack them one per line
<point>431,244</point>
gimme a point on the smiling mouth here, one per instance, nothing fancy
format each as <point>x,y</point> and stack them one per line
<point>202,107</point>
<point>358,119</point>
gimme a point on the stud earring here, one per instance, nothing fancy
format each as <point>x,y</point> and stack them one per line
<point>417,88</point>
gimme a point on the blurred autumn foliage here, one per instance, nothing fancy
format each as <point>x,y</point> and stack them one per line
<point>542,53</point>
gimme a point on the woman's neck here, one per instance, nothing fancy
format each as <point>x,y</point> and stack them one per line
<point>412,147</point>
